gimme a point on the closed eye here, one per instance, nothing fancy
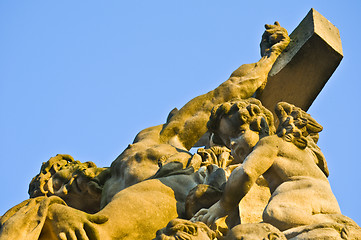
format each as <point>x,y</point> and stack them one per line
<point>57,183</point>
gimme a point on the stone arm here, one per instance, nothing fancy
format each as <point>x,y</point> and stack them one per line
<point>134,213</point>
<point>239,183</point>
<point>186,127</point>
<point>244,176</point>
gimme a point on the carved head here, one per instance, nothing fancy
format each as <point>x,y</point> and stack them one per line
<point>240,125</point>
<point>78,184</point>
<point>255,231</point>
<point>180,229</point>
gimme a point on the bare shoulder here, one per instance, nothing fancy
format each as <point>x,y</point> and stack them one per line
<point>271,141</point>
<point>149,133</point>
<point>267,146</point>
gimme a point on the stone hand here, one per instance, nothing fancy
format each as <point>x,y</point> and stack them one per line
<point>216,155</point>
<point>209,216</point>
<point>70,224</point>
<point>274,40</point>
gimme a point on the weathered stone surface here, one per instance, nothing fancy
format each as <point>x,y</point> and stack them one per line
<point>250,181</point>
<point>255,231</point>
<point>253,204</point>
<point>302,203</point>
<point>305,66</point>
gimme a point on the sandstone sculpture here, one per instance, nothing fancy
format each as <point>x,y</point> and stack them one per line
<point>248,182</point>
<point>290,161</point>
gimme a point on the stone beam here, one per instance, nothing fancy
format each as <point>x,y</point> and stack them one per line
<point>302,70</point>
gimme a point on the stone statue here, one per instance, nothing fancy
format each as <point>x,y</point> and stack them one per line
<point>172,141</point>
<point>289,160</point>
<point>78,184</point>
<point>248,182</point>
<point>128,206</point>
<point>255,231</point>
<point>184,230</point>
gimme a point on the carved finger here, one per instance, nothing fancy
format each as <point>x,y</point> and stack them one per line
<point>203,219</point>
<point>196,218</point>
<point>208,220</point>
<point>181,235</point>
<point>81,234</point>
<point>200,218</point>
<point>277,36</point>
<point>62,236</point>
<point>91,231</point>
<point>275,32</point>
<point>71,236</point>
<point>201,212</point>
<point>191,229</point>
<point>98,219</point>
<point>277,23</point>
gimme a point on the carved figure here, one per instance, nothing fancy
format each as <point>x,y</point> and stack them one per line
<point>290,161</point>
<point>62,181</point>
<point>255,231</point>
<point>181,229</point>
<point>342,228</point>
<point>186,230</point>
<point>129,206</point>
<point>78,184</point>
<point>162,197</point>
<point>172,141</point>
<point>156,179</point>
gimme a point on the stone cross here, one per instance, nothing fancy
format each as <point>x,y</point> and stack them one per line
<point>304,67</point>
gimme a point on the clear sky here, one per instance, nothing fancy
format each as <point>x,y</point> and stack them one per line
<point>84,77</point>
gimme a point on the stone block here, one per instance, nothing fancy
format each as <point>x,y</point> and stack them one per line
<point>302,70</point>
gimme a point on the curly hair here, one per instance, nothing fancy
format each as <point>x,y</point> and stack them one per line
<point>181,229</point>
<point>51,167</point>
<point>249,112</point>
<point>301,129</point>
<point>296,125</point>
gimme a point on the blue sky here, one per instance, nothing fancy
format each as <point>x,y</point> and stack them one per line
<point>84,77</point>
